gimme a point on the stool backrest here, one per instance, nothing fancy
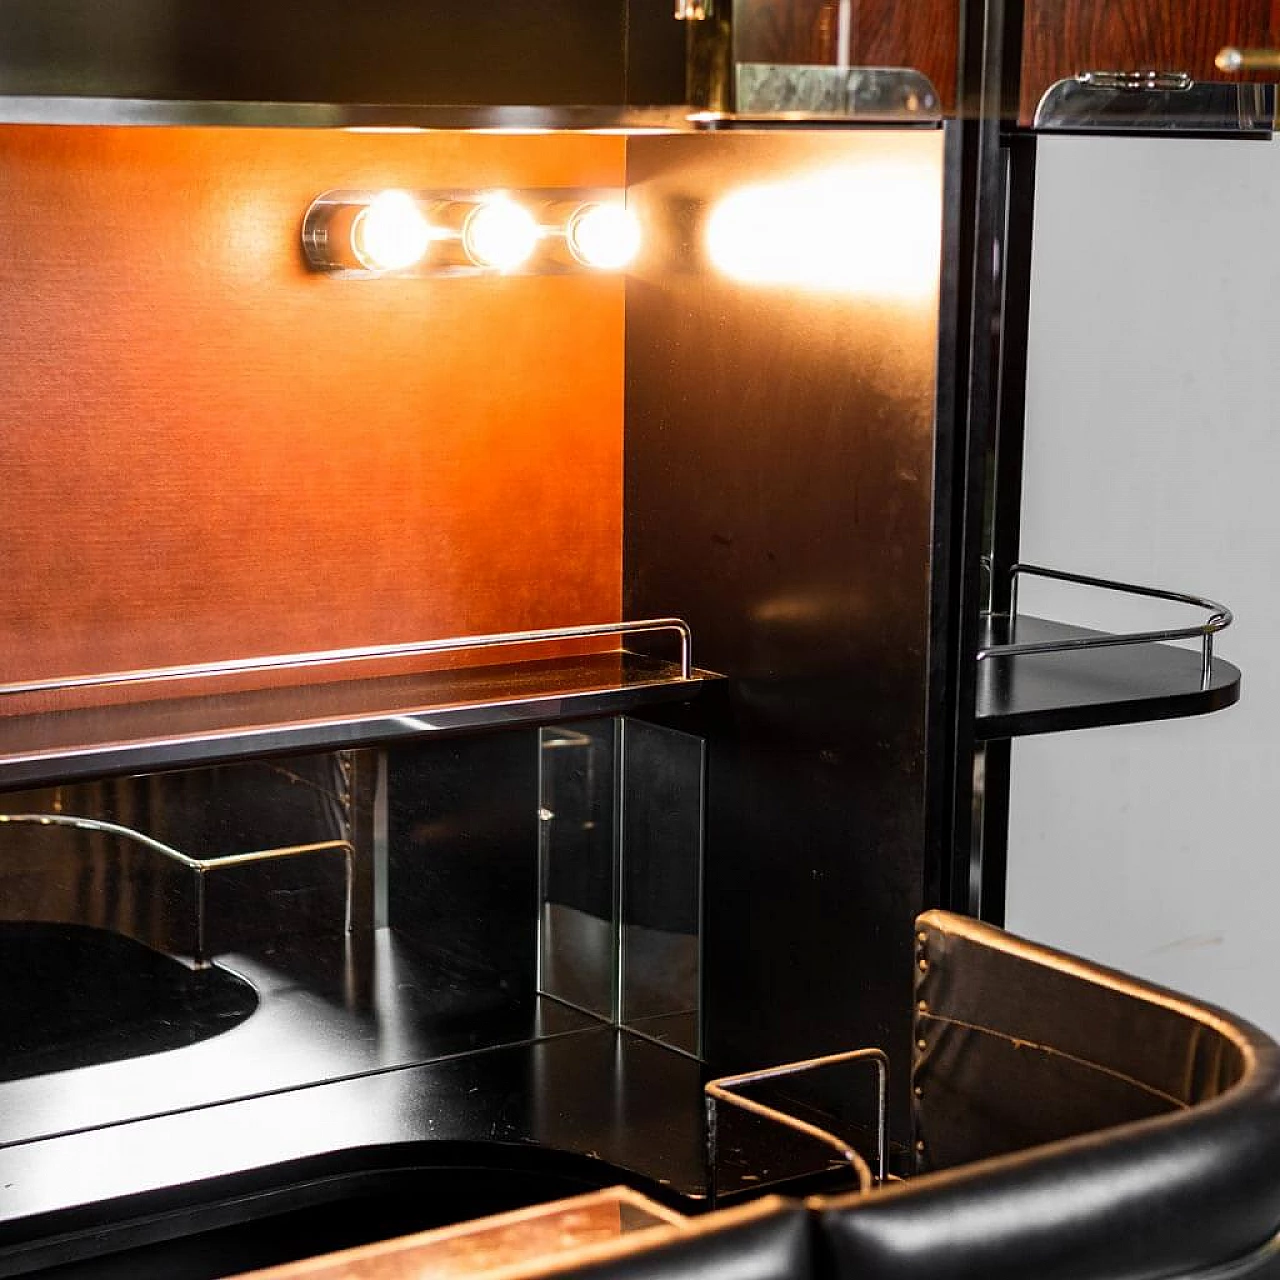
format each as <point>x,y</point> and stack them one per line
<point>1072,1124</point>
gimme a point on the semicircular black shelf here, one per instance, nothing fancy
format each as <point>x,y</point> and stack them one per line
<point>1022,694</point>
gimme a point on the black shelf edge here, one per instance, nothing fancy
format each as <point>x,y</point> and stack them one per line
<point>139,737</point>
<point>1027,694</point>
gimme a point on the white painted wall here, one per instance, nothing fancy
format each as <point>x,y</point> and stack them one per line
<point>1153,455</point>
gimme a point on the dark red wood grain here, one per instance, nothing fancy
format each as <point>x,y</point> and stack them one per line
<point>885,33</point>
<point>211,452</point>
<point>1065,37</point>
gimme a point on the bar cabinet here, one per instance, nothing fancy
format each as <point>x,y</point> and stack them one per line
<point>494,649</point>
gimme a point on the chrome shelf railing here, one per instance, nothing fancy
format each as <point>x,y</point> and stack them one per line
<point>367,653</point>
<point>1220,617</point>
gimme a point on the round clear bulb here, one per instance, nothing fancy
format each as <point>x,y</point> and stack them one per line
<point>499,234</point>
<point>603,236</point>
<point>390,233</point>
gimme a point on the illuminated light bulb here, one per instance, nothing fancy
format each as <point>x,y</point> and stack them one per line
<point>390,233</point>
<point>872,230</point>
<point>499,234</point>
<point>603,236</point>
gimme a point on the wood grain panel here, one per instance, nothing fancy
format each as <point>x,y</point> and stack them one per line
<point>211,452</point>
<point>884,33</point>
<point>1065,37</point>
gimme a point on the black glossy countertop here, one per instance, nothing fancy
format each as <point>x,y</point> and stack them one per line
<point>613,1106</point>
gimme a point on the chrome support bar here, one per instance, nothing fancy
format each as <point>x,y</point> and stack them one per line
<point>291,661</point>
<point>1220,617</point>
<point>721,1090</point>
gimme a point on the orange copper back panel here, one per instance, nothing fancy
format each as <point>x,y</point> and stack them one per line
<point>212,452</point>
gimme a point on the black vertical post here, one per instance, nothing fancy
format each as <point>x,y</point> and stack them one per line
<point>1004,502</point>
<point>969,407</point>
<point>1011,371</point>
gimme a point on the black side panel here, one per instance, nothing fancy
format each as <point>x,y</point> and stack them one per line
<point>537,52</point>
<point>779,455</point>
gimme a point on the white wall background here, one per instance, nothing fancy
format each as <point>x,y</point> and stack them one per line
<point>1153,455</point>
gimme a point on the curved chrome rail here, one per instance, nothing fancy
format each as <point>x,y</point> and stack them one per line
<point>1220,618</point>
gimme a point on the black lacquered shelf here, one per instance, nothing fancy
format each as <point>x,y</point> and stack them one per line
<point>1023,694</point>
<point>168,733</point>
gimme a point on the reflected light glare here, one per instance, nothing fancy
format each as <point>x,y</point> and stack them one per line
<point>869,230</point>
<point>500,234</point>
<point>390,233</point>
<point>603,236</point>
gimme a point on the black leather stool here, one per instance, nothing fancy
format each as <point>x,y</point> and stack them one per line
<point>1073,1124</point>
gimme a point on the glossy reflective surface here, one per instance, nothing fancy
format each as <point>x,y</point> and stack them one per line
<point>578,855</point>
<point>448,899</point>
<point>324,1010</point>
<point>660,978</point>
<point>620,889</point>
<point>612,1102</point>
<point>271,870</point>
<point>76,998</point>
<point>197,863</point>
<point>782,503</point>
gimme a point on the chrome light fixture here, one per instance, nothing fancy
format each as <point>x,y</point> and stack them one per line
<point>469,233</point>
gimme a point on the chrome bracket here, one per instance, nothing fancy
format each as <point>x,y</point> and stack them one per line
<point>724,1090</point>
